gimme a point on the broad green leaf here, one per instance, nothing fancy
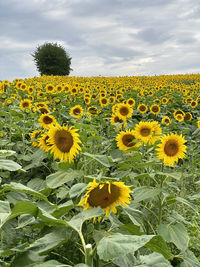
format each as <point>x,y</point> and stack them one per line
<point>27,259</point>
<point>4,210</point>
<point>176,234</point>
<point>144,193</point>
<point>59,178</point>
<point>158,244</point>
<point>9,165</point>
<point>81,265</point>
<point>24,189</point>
<point>103,159</point>
<point>132,229</point>
<point>126,261</point>
<point>134,215</point>
<point>50,263</point>
<point>50,241</point>
<point>63,209</point>
<point>77,189</point>
<point>117,245</point>
<point>154,260</point>
<point>187,203</point>
<point>77,221</point>
<point>189,259</point>
<point>6,153</point>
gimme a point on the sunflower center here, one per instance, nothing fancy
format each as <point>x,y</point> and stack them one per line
<point>50,88</point>
<point>171,148</point>
<point>130,102</point>
<point>43,110</point>
<point>64,141</point>
<point>77,111</point>
<point>117,119</point>
<point>25,104</point>
<point>102,197</point>
<point>123,111</point>
<point>127,140</point>
<point>47,120</point>
<point>142,108</point>
<point>155,109</point>
<point>145,131</point>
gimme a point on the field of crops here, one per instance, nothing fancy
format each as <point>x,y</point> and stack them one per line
<point>100,171</point>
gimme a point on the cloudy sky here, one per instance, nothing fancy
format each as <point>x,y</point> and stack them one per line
<point>103,37</point>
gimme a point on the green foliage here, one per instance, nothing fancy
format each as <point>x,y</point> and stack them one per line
<point>52,59</point>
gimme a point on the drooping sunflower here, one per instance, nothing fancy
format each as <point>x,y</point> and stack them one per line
<point>65,142</point>
<point>166,120</point>
<point>106,195</point>
<point>171,149</point>
<point>125,140</point>
<point>34,136</point>
<point>46,120</point>
<point>43,142</point>
<point>26,103</point>
<point>124,111</point>
<point>155,109</point>
<point>76,111</point>
<point>142,108</point>
<point>144,131</point>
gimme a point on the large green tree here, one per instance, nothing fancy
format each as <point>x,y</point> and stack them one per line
<point>52,59</point>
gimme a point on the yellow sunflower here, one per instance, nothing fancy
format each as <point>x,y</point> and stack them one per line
<point>171,149</point>
<point>198,123</point>
<point>65,142</point>
<point>155,109</point>
<point>115,119</point>
<point>103,102</point>
<point>93,110</point>
<point>125,140</point>
<point>179,117</point>
<point>76,111</point>
<point>26,103</point>
<point>142,108</point>
<point>166,120</point>
<point>106,195</point>
<point>43,142</point>
<point>124,111</point>
<point>193,104</point>
<point>34,136</point>
<point>144,131</point>
<point>50,88</point>
<point>46,120</point>
<point>131,102</point>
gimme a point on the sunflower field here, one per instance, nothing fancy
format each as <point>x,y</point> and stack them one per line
<point>100,171</point>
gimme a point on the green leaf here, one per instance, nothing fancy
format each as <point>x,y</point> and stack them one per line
<point>176,234</point>
<point>189,259</point>
<point>4,210</point>
<point>26,259</point>
<point>50,263</point>
<point>159,245</point>
<point>50,241</point>
<point>125,261</point>
<point>103,159</point>
<point>117,245</point>
<point>63,209</point>
<point>77,189</point>
<point>59,178</point>
<point>6,153</point>
<point>144,192</point>
<point>154,260</point>
<point>9,165</point>
<point>132,229</point>
<point>24,189</point>
<point>134,215</point>
<point>187,203</point>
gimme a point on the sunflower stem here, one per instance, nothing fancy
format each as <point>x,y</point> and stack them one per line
<point>89,255</point>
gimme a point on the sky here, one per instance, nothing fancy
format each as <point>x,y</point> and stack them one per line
<point>103,37</point>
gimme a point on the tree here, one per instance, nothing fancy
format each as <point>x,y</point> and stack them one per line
<point>52,59</point>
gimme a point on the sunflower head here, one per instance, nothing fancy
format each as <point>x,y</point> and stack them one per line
<point>46,120</point>
<point>144,131</point>
<point>179,117</point>
<point>65,142</point>
<point>166,120</point>
<point>26,103</point>
<point>142,108</point>
<point>126,140</point>
<point>124,111</point>
<point>171,149</point>
<point>76,111</point>
<point>106,195</point>
<point>36,135</point>
<point>155,109</point>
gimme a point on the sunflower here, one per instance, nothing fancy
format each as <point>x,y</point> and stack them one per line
<point>35,135</point>
<point>171,149</point>
<point>93,110</point>
<point>131,102</point>
<point>106,195</point>
<point>50,88</point>
<point>179,117</point>
<point>43,142</point>
<point>43,110</point>
<point>125,140</point>
<point>198,123</point>
<point>124,111</point>
<point>26,103</point>
<point>46,120</point>
<point>166,120</point>
<point>179,111</point>
<point>103,101</point>
<point>188,116</point>
<point>193,104</point>
<point>76,111</point>
<point>65,142</point>
<point>115,119</point>
<point>155,109</point>
<point>144,131</point>
<point>142,108</point>
<point>165,100</point>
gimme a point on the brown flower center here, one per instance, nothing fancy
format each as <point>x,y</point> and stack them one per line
<point>123,111</point>
<point>102,197</point>
<point>127,140</point>
<point>64,140</point>
<point>25,104</point>
<point>47,120</point>
<point>171,148</point>
<point>117,119</point>
<point>145,131</point>
<point>76,111</point>
<point>142,108</point>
